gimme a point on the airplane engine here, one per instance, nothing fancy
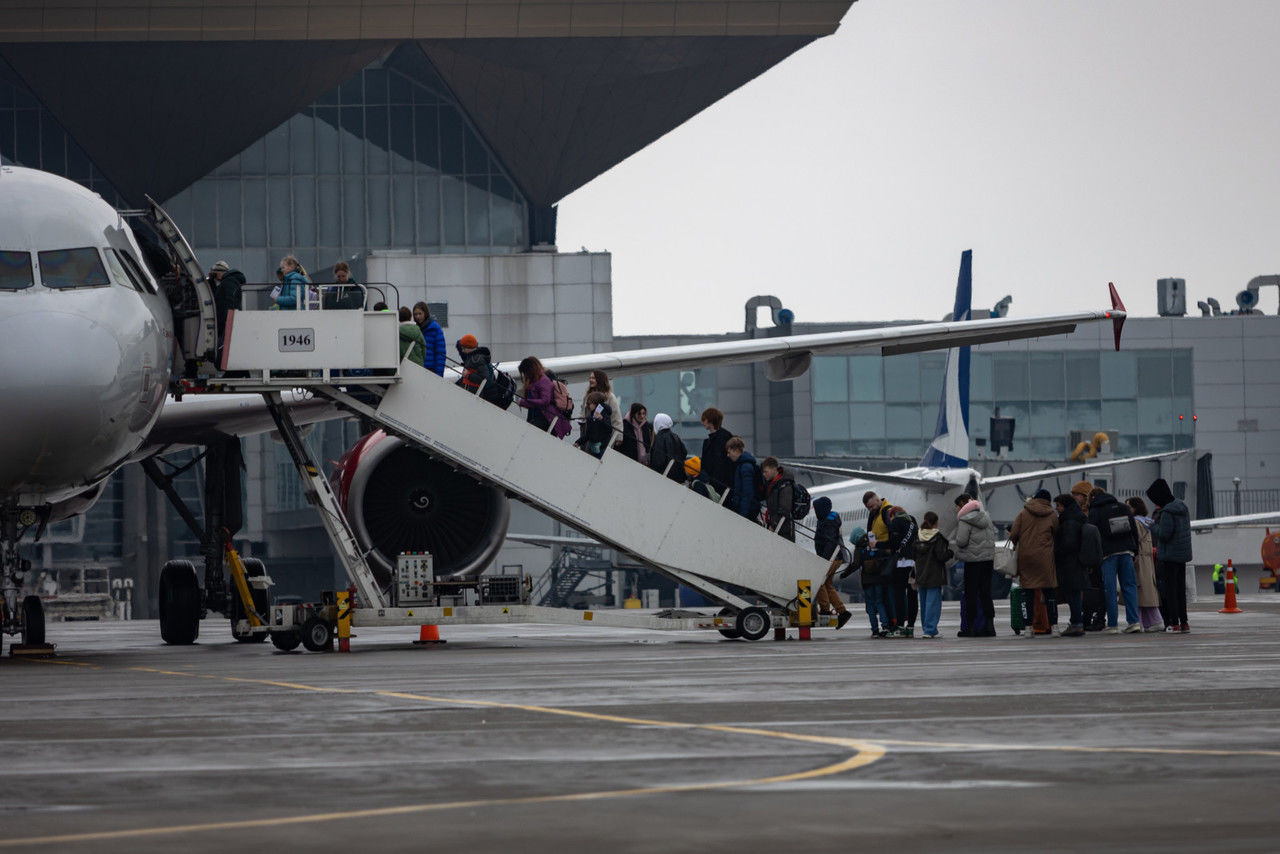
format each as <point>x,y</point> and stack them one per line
<point>398,499</point>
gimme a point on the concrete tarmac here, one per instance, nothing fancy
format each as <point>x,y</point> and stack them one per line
<point>535,738</point>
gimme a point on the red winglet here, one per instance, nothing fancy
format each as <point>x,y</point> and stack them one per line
<point>1117,320</point>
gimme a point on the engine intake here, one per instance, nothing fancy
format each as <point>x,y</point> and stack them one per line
<point>398,499</point>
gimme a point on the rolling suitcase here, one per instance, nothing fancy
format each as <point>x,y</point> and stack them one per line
<point>1016,620</point>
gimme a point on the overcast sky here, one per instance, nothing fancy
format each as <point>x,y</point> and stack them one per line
<point>1067,143</point>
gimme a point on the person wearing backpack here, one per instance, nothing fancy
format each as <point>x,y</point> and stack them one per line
<point>668,454</point>
<point>748,483</point>
<point>895,534</point>
<point>875,593</point>
<point>1118,528</point>
<point>1067,543</point>
<point>539,399</point>
<point>779,498</point>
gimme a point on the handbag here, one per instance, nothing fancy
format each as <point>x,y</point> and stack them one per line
<point>1006,559</point>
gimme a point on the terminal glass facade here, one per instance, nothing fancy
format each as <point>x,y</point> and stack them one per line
<point>386,160</point>
<point>869,406</point>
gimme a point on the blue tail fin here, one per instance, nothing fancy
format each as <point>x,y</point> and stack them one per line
<point>950,445</point>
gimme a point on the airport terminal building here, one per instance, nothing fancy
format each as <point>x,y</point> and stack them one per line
<point>428,143</point>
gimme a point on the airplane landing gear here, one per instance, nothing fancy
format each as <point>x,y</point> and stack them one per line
<point>20,615</point>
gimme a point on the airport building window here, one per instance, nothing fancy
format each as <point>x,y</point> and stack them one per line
<point>72,268</point>
<point>681,394</point>
<point>1048,393</point>
<point>385,160</point>
<point>15,271</point>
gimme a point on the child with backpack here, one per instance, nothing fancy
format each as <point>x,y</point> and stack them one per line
<point>932,553</point>
<point>874,590</point>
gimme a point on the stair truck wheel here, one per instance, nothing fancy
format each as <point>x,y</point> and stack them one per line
<point>753,623</point>
<point>731,634</point>
<point>286,641</point>
<point>254,568</point>
<point>316,634</point>
<point>32,621</point>
<point>179,603</point>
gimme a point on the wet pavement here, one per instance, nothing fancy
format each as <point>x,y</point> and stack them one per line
<point>537,738</point>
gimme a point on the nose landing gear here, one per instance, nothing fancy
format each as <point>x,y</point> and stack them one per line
<point>20,615</point>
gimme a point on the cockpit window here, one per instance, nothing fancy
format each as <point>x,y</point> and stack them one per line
<point>118,271</point>
<point>15,270</point>
<point>73,268</point>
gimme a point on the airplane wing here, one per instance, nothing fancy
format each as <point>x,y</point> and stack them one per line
<point>1257,520</point>
<point>789,355</point>
<point>874,476</point>
<point>198,419</point>
<point>1075,468</point>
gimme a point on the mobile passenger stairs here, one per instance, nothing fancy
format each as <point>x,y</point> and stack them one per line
<point>351,357</point>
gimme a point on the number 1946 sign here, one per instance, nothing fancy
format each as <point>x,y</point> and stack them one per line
<point>297,340</point>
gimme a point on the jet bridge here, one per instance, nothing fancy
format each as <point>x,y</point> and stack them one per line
<point>762,579</point>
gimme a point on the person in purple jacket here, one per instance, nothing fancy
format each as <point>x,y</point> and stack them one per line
<point>538,398</point>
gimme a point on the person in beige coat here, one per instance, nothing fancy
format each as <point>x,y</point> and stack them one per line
<point>1145,565</point>
<point>1032,532</point>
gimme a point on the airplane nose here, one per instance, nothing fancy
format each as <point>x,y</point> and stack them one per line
<point>65,398</point>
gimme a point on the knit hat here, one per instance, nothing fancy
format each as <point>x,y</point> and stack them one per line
<point>468,342</point>
<point>661,421</point>
<point>1084,487</point>
<point>1043,493</point>
<point>857,535</point>
<point>220,267</point>
<point>692,466</point>
<point>821,507</point>
<point>1160,493</point>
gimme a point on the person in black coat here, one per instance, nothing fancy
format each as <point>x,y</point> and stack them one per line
<point>1072,581</point>
<point>716,465</point>
<point>1118,529</point>
<point>668,448</point>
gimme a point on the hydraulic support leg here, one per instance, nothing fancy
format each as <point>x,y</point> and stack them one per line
<point>320,494</point>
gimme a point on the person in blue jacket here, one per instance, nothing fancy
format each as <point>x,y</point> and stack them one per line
<point>434,337</point>
<point>748,483</point>
<point>294,283</point>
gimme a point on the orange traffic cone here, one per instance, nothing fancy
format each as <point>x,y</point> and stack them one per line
<point>1229,604</point>
<point>429,636</point>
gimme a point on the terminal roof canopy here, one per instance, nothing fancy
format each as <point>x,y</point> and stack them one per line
<point>159,96</point>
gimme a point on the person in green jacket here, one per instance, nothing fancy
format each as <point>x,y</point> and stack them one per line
<point>411,340</point>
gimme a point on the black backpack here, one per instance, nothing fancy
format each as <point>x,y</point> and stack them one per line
<point>800,501</point>
<point>500,389</point>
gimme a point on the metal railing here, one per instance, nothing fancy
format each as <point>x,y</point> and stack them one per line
<point>258,296</point>
<point>1237,502</point>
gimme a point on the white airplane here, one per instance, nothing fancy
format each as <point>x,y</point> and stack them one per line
<point>94,332</point>
<point>944,471</point>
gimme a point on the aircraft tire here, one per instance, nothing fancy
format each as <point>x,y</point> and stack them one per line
<point>316,634</point>
<point>254,568</point>
<point>179,603</point>
<point>731,634</point>
<point>32,621</point>
<point>753,623</point>
<point>286,641</point>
